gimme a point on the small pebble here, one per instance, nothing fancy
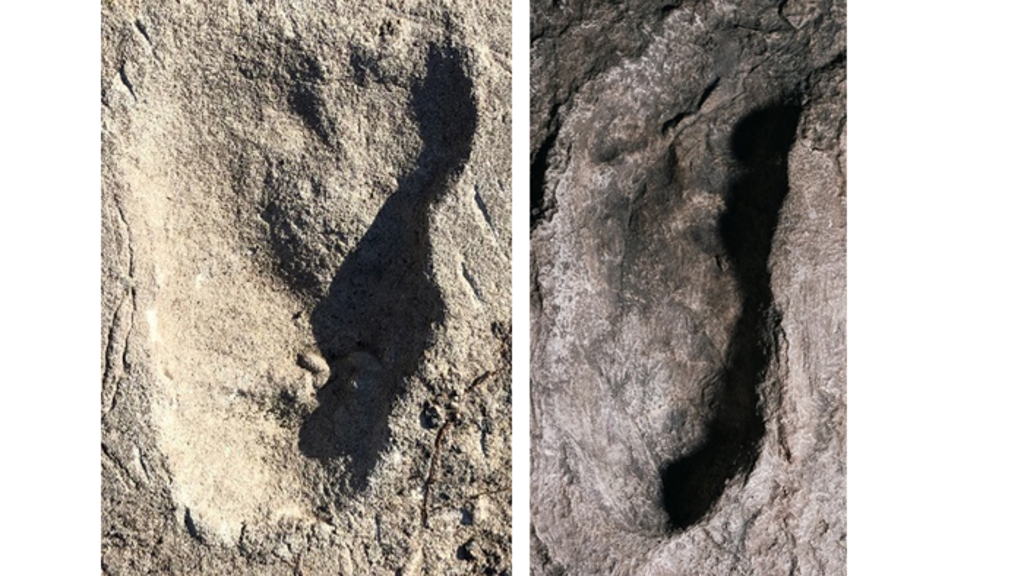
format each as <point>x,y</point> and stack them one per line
<point>314,362</point>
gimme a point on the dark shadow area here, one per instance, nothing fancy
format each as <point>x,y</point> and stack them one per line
<point>377,318</point>
<point>692,484</point>
<point>539,206</point>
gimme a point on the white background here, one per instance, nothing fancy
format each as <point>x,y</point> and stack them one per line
<point>935,258</point>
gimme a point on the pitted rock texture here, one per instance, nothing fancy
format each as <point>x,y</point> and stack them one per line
<point>306,307</point>
<point>688,288</point>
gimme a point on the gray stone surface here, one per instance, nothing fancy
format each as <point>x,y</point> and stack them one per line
<point>688,288</point>
<point>305,287</point>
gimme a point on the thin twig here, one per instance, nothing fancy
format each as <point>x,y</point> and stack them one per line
<point>433,468</point>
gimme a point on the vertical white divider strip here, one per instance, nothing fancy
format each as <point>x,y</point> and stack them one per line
<point>521,287</point>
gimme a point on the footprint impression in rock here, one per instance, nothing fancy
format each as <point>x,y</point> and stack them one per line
<point>282,327</point>
<point>677,322</point>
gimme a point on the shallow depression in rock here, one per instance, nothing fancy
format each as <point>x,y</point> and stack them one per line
<point>243,413</point>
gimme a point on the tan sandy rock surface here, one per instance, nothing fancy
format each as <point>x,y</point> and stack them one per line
<point>306,308</point>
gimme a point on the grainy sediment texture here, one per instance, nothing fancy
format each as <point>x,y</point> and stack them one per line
<point>305,287</point>
<point>688,288</point>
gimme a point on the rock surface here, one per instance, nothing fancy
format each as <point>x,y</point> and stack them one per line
<point>688,292</point>
<point>305,288</point>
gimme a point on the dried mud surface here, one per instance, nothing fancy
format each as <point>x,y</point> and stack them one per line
<point>306,308</point>
<point>688,205</point>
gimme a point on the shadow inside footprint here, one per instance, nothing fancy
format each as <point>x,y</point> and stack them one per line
<point>692,484</point>
<point>379,315</point>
